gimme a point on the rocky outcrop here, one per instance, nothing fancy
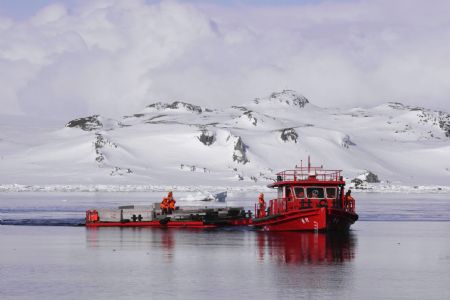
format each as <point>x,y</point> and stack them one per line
<point>116,171</point>
<point>396,105</point>
<point>444,122</point>
<point>87,124</point>
<point>347,142</point>
<point>289,135</point>
<point>361,181</point>
<point>370,177</point>
<point>439,118</point>
<point>194,168</point>
<point>207,137</point>
<point>288,97</point>
<point>176,105</point>
<point>240,152</point>
<point>241,108</point>
<point>99,143</point>
<point>249,114</point>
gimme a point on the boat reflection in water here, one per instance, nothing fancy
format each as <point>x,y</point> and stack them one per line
<point>279,247</point>
<point>306,247</point>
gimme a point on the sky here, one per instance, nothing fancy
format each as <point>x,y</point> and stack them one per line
<point>112,57</point>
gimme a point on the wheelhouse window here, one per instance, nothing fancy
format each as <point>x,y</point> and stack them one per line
<point>287,193</point>
<point>299,192</point>
<point>315,192</point>
<point>280,192</point>
<point>331,193</point>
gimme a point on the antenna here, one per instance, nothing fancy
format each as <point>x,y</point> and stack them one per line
<point>309,164</point>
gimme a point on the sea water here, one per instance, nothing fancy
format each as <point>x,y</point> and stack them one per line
<point>399,249</point>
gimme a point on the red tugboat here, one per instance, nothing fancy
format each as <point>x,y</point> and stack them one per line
<point>309,198</point>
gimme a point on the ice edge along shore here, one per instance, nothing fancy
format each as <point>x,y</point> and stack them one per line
<point>369,188</point>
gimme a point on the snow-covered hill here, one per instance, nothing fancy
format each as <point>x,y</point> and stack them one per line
<point>183,144</point>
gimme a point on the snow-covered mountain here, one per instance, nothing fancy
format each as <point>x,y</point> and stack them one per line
<point>184,144</point>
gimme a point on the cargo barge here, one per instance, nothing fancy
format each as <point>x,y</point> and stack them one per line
<point>154,216</point>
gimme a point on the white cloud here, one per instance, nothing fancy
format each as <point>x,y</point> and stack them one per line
<point>113,57</point>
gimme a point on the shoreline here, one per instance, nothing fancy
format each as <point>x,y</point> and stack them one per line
<point>106,188</point>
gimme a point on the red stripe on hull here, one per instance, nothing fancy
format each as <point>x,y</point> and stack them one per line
<point>170,224</point>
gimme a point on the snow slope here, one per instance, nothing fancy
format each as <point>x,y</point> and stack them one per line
<point>183,144</point>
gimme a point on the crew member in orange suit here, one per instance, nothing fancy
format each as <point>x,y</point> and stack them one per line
<point>349,200</point>
<point>262,206</point>
<point>348,195</point>
<point>171,202</point>
<point>164,206</point>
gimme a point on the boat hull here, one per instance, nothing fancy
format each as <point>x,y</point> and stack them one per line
<point>320,219</point>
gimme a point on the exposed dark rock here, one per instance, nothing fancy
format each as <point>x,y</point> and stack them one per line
<point>290,97</point>
<point>401,106</point>
<point>444,123</point>
<point>240,152</point>
<point>286,96</point>
<point>251,117</point>
<point>176,105</point>
<point>416,109</point>
<point>242,108</point>
<point>397,105</point>
<point>134,116</point>
<point>155,117</point>
<point>116,171</point>
<point>207,137</point>
<point>289,134</point>
<point>406,129</point>
<point>371,177</point>
<point>363,179</point>
<point>439,118</point>
<point>357,182</point>
<point>347,142</point>
<point>193,168</point>
<point>88,123</point>
<point>99,143</point>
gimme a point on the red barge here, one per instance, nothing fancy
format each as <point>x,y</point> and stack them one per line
<point>308,198</point>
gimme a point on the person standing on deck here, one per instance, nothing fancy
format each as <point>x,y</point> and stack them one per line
<point>262,206</point>
<point>164,206</point>
<point>171,202</point>
<point>348,199</point>
<point>348,195</point>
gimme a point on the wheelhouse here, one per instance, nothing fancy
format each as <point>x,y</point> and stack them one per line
<point>309,187</point>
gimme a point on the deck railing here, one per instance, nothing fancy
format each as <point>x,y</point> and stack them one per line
<point>281,205</point>
<point>309,173</point>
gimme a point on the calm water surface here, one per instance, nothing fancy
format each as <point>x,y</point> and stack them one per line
<point>400,249</point>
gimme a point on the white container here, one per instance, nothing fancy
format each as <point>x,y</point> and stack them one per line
<point>109,215</point>
<point>138,214</point>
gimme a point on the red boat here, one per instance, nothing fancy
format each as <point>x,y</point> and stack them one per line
<point>309,198</point>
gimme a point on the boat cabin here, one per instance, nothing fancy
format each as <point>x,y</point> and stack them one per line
<point>309,188</point>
